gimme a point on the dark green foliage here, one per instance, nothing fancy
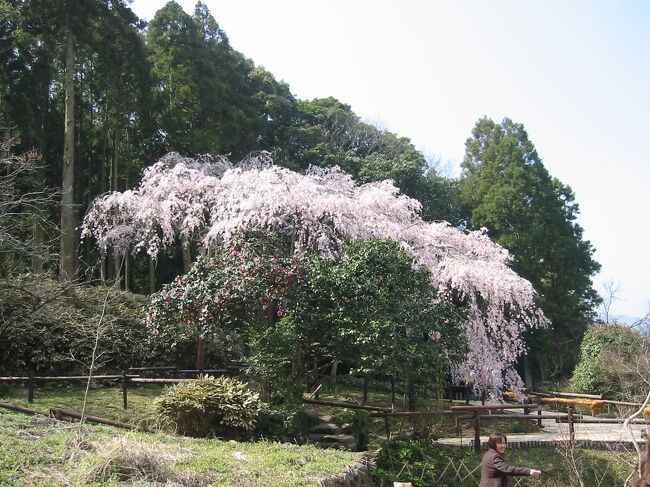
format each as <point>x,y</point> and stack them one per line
<point>506,188</point>
<point>441,201</point>
<point>417,462</point>
<point>288,421</point>
<point>280,356</point>
<point>210,406</point>
<point>207,97</point>
<point>44,331</point>
<point>378,310</point>
<point>425,464</point>
<point>360,424</point>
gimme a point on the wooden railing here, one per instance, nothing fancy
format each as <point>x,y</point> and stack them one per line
<point>125,378</point>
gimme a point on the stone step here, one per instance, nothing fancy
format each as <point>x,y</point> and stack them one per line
<point>325,429</point>
<point>341,442</point>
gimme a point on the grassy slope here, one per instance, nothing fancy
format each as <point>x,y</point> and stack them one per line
<point>35,451</point>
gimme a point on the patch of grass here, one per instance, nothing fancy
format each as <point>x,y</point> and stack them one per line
<point>105,402</point>
<point>45,453</point>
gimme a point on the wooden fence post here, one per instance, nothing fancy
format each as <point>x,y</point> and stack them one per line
<point>477,432</point>
<point>387,425</point>
<point>30,388</point>
<point>124,390</point>
<point>572,436</point>
<point>539,414</point>
<point>365,389</point>
<point>526,421</point>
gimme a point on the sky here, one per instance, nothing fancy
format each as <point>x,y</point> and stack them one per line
<point>575,73</point>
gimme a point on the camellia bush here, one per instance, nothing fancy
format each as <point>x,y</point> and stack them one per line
<point>250,283</point>
<point>210,201</point>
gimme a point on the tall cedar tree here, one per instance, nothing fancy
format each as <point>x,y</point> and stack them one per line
<point>70,74</point>
<point>508,190</point>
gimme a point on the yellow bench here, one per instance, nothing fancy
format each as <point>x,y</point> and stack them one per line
<point>595,405</point>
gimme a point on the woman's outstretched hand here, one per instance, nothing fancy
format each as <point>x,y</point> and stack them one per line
<point>535,473</point>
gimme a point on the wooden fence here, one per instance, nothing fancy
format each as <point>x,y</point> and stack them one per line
<point>125,378</point>
<point>570,417</point>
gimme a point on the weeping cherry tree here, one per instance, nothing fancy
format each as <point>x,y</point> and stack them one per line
<point>209,201</point>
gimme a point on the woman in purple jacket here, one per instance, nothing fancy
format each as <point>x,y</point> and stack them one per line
<point>494,469</point>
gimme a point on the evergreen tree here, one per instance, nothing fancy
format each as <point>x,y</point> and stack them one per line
<point>507,189</point>
<point>326,132</point>
<point>63,59</point>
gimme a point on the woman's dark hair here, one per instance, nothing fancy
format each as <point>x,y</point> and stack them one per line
<point>495,439</point>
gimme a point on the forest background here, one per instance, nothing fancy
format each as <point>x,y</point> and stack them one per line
<point>96,96</point>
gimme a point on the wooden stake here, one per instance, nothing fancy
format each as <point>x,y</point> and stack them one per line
<point>477,432</point>
<point>124,390</point>
<point>30,389</point>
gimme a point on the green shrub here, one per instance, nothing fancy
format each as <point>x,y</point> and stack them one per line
<point>277,360</point>
<point>416,461</point>
<point>210,406</point>
<point>46,330</point>
<point>603,347</point>
<point>515,427</point>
